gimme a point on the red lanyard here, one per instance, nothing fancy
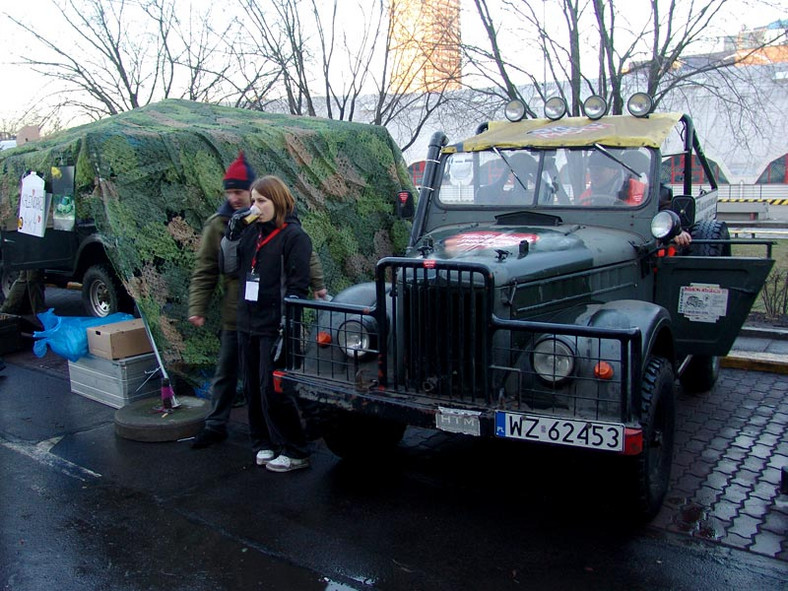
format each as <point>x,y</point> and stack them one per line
<point>263,241</point>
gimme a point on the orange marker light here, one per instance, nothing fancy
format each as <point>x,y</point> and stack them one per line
<point>603,370</point>
<point>323,339</point>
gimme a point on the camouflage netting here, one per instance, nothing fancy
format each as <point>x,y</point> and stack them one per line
<point>152,176</point>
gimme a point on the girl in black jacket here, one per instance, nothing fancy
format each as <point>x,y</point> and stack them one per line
<point>273,255</point>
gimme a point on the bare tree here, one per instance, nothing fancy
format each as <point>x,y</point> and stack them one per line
<point>653,50</point>
<point>114,55</point>
<point>352,73</point>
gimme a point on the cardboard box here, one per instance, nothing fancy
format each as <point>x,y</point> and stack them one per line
<point>119,339</point>
<point>115,383</point>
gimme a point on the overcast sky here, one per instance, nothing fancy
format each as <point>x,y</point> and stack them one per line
<point>21,88</point>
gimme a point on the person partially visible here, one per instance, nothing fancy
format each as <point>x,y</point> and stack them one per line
<point>26,296</point>
<point>204,280</point>
<point>611,184</point>
<point>273,254</point>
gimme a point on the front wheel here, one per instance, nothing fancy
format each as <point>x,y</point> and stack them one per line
<point>357,437</point>
<point>102,293</point>
<point>649,472</point>
<point>701,374</point>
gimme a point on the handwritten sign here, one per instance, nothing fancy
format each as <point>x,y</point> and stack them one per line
<point>33,208</point>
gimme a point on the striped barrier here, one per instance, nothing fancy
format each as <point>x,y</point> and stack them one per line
<point>768,201</point>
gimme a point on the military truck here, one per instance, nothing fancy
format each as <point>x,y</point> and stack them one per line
<point>77,255</point>
<point>534,304</point>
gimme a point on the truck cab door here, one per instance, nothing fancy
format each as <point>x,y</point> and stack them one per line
<point>708,298</point>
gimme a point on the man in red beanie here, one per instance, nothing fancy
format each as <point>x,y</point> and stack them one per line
<point>205,277</point>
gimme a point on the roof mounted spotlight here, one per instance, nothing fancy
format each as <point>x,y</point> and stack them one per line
<point>594,107</point>
<point>640,104</point>
<point>515,110</point>
<point>555,108</point>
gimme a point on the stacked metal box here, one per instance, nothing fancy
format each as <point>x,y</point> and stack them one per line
<point>115,382</point>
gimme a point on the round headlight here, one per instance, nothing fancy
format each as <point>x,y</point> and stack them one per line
<point>594,107</point>
<point>515,110</point>
<point>354,339</point>
<point>640,104</point>
<point>665,225</point>
<point>553,360</point>
<point>555,108</point>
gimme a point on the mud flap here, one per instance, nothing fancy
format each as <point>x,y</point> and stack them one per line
<point>708,298</point>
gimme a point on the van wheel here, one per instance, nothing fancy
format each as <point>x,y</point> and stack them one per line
<point>356,437</point>
<point>701,374</point>
<point>649,472</point>
<point>101,291</point>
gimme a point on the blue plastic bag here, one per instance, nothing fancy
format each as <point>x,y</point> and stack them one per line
<point>66,335</point>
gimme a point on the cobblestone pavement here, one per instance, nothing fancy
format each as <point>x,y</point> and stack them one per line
<point>731,446</point>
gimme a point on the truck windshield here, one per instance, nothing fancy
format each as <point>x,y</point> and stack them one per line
<point>565,178</point>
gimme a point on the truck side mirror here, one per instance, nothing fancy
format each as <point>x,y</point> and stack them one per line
<point>405,207</point>
<point>684,206</point>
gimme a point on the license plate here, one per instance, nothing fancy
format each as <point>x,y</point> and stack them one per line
<point>590,434</point>
<point>455,420</point>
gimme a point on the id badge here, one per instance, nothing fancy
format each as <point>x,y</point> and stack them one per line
<point>252,287</point>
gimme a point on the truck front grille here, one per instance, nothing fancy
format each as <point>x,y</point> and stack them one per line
<point>443,318</point>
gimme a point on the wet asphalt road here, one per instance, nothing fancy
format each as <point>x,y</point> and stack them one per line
<point>83,509</point>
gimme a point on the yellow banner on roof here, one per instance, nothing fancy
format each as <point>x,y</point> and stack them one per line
<point>614,131</point>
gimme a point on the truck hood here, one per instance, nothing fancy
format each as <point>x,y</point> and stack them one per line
<point>550,251</point>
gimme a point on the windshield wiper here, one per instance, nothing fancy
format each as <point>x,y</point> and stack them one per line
<point>514,174</point>
<point>615,159</point>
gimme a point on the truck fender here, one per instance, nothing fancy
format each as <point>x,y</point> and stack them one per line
<point>329,323</point>
<point>652,320</point>
<point>92,250</point>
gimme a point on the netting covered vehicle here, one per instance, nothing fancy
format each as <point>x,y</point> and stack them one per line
<point>130,194</point>
<point>540,299</point>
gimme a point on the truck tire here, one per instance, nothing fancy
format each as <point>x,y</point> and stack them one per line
<point>102,293</point>
<point>701,374</point>
<point>649,472</point>
<point>702,371</point>
<point>710,230</point>
<point>355,437</point>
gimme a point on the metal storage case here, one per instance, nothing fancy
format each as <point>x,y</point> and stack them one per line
<point>115,382</point>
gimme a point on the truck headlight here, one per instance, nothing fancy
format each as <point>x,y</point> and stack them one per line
<point>595,107</point>
<point>640,104</point>
<point>356,337</point>
<point>515,110</point>
<point>665,225</point>
<point>553,360</point>
<point>555,108</point>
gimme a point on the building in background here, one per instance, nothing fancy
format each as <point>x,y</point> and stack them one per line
<point>425,42</point>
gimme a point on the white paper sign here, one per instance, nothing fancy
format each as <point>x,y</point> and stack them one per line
<point>32,206</point>
<point>702,302</point>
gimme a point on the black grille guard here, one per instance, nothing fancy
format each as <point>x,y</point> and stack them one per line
<point>431,338</point>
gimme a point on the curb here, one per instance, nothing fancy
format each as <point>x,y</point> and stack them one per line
<point>756,361</point>
<point>764,333</point>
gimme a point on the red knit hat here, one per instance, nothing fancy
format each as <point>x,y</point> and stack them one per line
<point>239,174</point>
